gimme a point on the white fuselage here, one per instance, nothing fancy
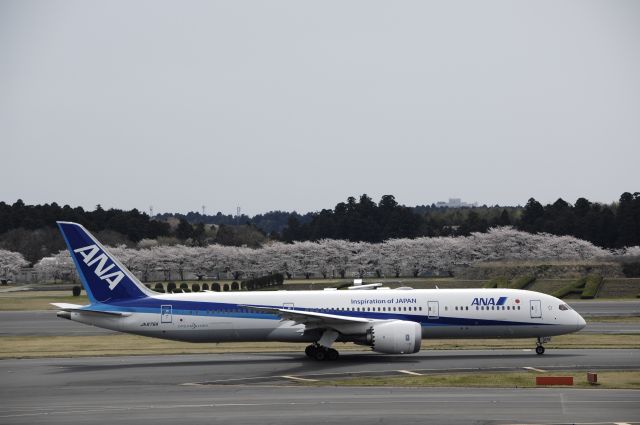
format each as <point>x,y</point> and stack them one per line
<point>441,313</point>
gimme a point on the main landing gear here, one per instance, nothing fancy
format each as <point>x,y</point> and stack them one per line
<point>539,347</point>
<point>318,352</point>
<point>322,350</point>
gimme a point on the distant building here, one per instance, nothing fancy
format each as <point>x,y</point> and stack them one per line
<point>455,203</point>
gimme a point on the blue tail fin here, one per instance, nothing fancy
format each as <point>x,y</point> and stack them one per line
<point>105,279</point>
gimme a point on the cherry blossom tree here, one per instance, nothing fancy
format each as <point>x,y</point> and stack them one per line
<point>10,263</point>
<point>328,257</point>
<point>58,266</point>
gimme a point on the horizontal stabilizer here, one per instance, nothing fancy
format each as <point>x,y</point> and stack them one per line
<point>75,308</point>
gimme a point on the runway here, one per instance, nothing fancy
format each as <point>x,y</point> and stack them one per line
<point>606,308</point>
<point>251,388</point>
<point>45,322</point>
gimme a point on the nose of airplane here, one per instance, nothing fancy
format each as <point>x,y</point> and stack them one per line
<point>580,322</point>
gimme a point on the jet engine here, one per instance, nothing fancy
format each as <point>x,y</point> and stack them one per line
<point>395,337</point>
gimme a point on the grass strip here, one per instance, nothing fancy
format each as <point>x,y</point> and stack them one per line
<point>124,344</point>
<point>606,379</point>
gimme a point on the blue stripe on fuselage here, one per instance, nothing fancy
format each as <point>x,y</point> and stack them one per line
<point>233,310</point>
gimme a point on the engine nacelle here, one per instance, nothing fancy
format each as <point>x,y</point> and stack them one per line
<point>396,337</point>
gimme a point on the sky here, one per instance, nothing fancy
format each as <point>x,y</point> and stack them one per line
<point>296,105</point>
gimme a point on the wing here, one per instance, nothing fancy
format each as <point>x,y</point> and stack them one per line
<point>316,320</point>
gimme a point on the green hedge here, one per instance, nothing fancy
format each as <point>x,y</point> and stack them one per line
<point>263,282</point>
<point>591,287</point>
<point>587,287</point>
<point>497,282</point>
<point>522,282</point>
<point>572,288</point>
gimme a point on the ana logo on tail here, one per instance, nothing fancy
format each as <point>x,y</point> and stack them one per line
<point>89,257</point>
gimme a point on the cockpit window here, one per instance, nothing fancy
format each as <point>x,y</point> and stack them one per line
<point>564,307</point>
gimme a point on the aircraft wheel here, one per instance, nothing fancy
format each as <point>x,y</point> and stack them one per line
<point>540,350</point>
<point>310,351</point>
<point>320,354</point>
<point>332,354</point>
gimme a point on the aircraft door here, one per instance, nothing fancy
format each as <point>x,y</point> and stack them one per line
<point>433,310</point>
<point>535,307</point>
<point>166,315</point>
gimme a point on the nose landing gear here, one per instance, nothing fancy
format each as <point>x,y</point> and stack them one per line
<point>539,347</point>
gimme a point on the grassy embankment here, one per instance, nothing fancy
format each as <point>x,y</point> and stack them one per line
<point>37,300</point>
<point>607,288</point>
<point>629,379</point>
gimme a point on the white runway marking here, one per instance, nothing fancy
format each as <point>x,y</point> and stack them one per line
<point>408,372</point>
<point>534,369</point>
<point>581,423</point>
<point>296,378</point>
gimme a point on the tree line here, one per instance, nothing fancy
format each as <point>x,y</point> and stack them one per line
<point>30,229</point>
<point>271,223</point>
<point>610,226</point>
<point>134,224</point>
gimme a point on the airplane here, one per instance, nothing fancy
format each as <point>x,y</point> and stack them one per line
<point>392,321</point>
